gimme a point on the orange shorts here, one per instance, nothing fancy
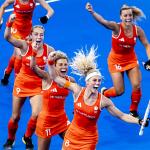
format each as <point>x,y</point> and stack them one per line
<point>121,63</point>
<point>47,126</point>
<point>26,86</point>
<point>77,138</point>
<point>19,32</point>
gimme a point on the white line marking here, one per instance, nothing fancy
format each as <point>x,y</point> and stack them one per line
<point>49,1</point>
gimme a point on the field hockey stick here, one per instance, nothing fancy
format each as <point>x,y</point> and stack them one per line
<point>1,23</point>
<point>145,119</point>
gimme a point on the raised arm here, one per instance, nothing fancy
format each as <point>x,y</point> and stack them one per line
<point>49,9</point>
<point>144,40</point>
<point>50,49</point>
<point>61,81</point>
<point>8,36</point>
<point>41,73</point>
<point>108,104</point>
<point>107,24</point>
<point>142,37</point>
<point>4,6</point>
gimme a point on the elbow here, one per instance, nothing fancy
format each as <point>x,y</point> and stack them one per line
<point>32,67</point>
<point>51,13</point>
<point>147,46</point>
<point>7,34</point>
<point>2,8</point>
<point>7,37</point>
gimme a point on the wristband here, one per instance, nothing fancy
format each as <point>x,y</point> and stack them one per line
<point>67,84</point>
<point>146,123</point>
<point>9,24</point>
<point>44,19</point>
<point>140,122</point>
<point>147,65</point>
<point>51,62</point>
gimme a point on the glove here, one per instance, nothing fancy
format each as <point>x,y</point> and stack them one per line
<point>44,19</point>
<point>146,124</point>
<point>147,65</point>
<point>1,23</point>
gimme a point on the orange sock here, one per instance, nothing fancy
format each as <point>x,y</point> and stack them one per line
<point>135,99</point>
<point>31,127</point>
<point>17,65</point>
<point>12,128</point>
<point>10,66</point>
<point>111,92</point>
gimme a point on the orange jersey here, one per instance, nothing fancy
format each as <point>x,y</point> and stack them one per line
<point>23,23</point>
<point>52,119</point>
<point>27,83</point>
<point>82,133</point>
<point>122,56</point>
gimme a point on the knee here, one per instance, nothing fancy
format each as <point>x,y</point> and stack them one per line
<point>136,86</point>
<point>34,116</point>
<point>35,112</point>
<point>15,118</point>
<point>119,91</point>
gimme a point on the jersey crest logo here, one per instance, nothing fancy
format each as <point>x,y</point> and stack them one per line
<point>79,104</point>
<point>134,38</point>
<point>68,122</point>
<point>17,6</point>
<point>95,109</point>
<point>54,90</point>
<point>29,57</point>
<point>44,58</point>
<point>31,4</point>
<point>122,39</point>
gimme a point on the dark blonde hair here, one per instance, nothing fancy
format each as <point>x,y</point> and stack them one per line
<point>60,55</point>
<point>137,13</point>
<point>37,26</point>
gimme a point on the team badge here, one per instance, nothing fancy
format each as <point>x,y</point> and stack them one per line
<point>31,4</point>
<point>45,59</point>
<point>95,109</point>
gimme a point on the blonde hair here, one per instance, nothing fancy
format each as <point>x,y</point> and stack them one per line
<point>137,13</point>
<point>84,63</point>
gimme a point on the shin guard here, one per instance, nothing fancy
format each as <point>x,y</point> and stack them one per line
<point>12,128</point>
<point>135,99</point>
<point>31,127</point>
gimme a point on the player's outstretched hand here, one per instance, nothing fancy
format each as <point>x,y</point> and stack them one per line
<point>147,65</point>
<point>146,123</point>
<point>44,19</point>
